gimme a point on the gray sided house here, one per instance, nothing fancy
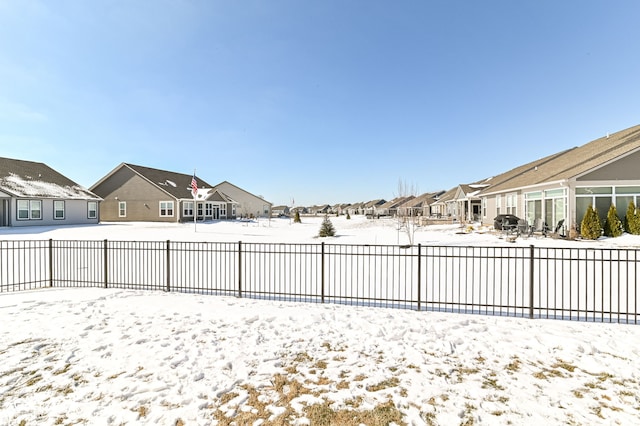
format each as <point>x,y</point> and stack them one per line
<point>420,205</point>
<point>137,193</point>
<point>34,194</point>
<point>560,187</point>
<point>248,205</point>
<point>277,211</point>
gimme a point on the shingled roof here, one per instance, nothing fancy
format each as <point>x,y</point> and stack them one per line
<point>570,163</point>
<point>175,184</point>
<point>28,179</point>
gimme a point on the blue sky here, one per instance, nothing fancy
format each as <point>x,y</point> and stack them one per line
<point>320,101</point>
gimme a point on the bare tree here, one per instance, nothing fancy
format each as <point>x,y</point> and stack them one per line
<point>406,218</point>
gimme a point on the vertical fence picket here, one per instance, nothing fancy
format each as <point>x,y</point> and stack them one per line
<point>322,283</point>
<point>531,280</point>
<point>50,262</point>
<point>105,261</point>
<point>168,266</point>
<point>240,269</point>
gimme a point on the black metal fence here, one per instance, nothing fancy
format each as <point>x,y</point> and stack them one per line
<point>584,284</point>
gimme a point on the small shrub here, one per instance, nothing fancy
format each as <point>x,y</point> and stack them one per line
<point>296,217</point>
<point>327,229</point>
<point>348,216</point>
<point>613,225</point>
<point>632,219</point>
<point>590,227</point>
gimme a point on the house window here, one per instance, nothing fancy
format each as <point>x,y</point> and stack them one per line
<point>599,198</point>
<point>23,209</point>
<point>35,209</point>
<point>554,206</point>
<point>223,210</point>
<point>166,208</point>
<point>512,200</point>
<point>533,206</point>
<point>58,209</point>
<point>92,209</point>
<point>122,209</point>
<point>187,208</point>
<point>233,210</point>
<point>498,203</point>
<point>29,209</point>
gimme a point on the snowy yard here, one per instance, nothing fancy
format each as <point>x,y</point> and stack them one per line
<point>95,356</point>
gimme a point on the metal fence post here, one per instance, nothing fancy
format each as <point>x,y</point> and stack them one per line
<point>531,284</point>
<point>322,272</point>
<point>419,274</point>
<point>106,264</point>
<point>240,269</point>
<point>50,262</point>
<point>168,266</point>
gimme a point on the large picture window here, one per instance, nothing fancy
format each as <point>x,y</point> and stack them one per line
<point>29,209</point>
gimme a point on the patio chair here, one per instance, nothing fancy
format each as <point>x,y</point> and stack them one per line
<point>539,227</point>
<point>523,227</point>
<point>559,227</point>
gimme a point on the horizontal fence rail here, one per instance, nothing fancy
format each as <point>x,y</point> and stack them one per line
<point>583,284</point>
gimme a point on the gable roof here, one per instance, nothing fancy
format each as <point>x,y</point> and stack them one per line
<point>178,185</point>
<point>570,163</point>
<point>449,195</point>
<point>396,202</point>
<point>423,200</point>
<point>28,179</point>
<point>225,182</point>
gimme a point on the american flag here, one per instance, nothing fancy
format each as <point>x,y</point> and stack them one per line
<point>194,185</point>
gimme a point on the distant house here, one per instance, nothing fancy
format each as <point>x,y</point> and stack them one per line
<point>390,208</point>
<point>420,205</point>
<point>355,208</point>
<point>248,204</point>
<point>34,194</point>
<point>138,193</point>
<point>560,187</point>
<point>445,205</point>
<point>370,207</point>
<point>277,211</point>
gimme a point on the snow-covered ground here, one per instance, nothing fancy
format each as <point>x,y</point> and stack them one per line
<point>96,356</point>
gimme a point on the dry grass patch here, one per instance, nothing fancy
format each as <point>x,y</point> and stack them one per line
<point>381,415</point>
<point>142,411</point>
<point>490,381</point>
<point>514,365</point>
<point>564,365</point>
<point>385,384</point>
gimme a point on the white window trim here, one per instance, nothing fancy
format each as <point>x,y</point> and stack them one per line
<point>187,209</point>
<point>30,209</point>
<point>169,206</point>
<point>94,210</point>
<point>55,210</point>
<point>512,203</point>
<point>122,207</point>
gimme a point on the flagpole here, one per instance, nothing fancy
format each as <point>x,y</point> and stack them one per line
<point>194,192</point>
